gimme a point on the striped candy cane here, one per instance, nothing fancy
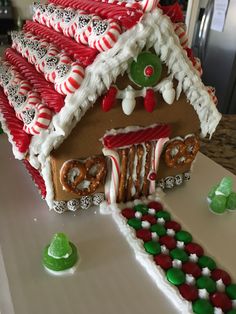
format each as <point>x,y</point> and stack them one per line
<point>112,183</point>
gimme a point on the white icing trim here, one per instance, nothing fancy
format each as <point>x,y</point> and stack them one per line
<point>145,259</point>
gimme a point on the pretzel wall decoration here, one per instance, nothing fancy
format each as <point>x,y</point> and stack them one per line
<point>83,178</point>
<point>181,152</point>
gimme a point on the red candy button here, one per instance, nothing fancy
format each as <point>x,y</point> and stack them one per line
<point>173,225</point>
<point>128,213</point>
<point>220,299</point>
<point>188,292</point>
<point>144,234</point>
<point>163,260</point>
<point>218,274</point>
<point>168,241</point>
<point>192,269</point>
<point>150,219</point>
<point>194,248</point>
<point>156,205</point>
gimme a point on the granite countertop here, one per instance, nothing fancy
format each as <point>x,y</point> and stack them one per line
<point>222,146</point>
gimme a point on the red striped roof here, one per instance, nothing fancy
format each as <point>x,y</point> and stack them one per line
<point>15,126</point>
<point>46,89</point>
<point>127,16</point>
<point>84,54</point>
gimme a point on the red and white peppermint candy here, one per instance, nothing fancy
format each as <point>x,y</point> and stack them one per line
<point>70,27</point>
<point>83,27</point>
<point>20,104</point>
<point>180,30</point>
<point>104,35</point>
<point>149,5</point>
<point>51,52</point>
<point>69,80</point>
<point>36,118</point>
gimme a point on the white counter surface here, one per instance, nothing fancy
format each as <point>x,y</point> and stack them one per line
<point>108,280</point>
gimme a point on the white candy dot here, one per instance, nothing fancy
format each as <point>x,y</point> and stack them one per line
<point>170,232</point>
<point>176,263</point>
<point>220,285</point>
<point>161,221</point>
<point>138,215</point>
<point>151,211</point>
<point>218,310</point>
<point>180,244</point>
<point>146,224</point>
<point>164,249</point>
<point>203,294</point>
<point>193,258</point>
<point>155,236</point>
<point>190,280</point>
<point>206,271</point>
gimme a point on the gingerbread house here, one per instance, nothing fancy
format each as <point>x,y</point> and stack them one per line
<point>104,99</point>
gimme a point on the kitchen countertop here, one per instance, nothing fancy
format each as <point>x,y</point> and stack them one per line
<point>222,146</point>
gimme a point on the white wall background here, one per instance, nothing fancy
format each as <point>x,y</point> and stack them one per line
<point>22,8</point>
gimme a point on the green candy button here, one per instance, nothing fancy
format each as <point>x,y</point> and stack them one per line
<point>175,276</point>
<point>163,214</point>
<point>202,307</point>
<point>135,223</point>
<point>232,311</point>
<point>206,283</point>
<point>183,236</point>
<point>179,254</point>
<point>60,254</point>
<point>231,291</point>
<point>159,229</point>
<point>206,261</point>
<point>146,71</point>
<point>231,201</point>
<point>142,208</point>
<point>152,247</point>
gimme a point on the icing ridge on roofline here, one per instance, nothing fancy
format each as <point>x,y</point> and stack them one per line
<point>154,30</point>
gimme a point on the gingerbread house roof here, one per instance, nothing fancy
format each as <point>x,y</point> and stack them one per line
<point>90,43</point>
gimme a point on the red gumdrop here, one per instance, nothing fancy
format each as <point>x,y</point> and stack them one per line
<point>171,224</point>
<point>155,205</point>
<point>109,99</point>
<point>150,219</point>
<point>194,248</point>
<point>221,300</point>
<point>192,269</point>
<point>188,292</point>
<point>218,274</point>
<point>128,213</point>
<point>144,234</point>
<point>163,260</point>
<point>150,100</point>
<point>168,241</point>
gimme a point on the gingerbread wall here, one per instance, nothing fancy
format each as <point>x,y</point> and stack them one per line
<point>85,139</point>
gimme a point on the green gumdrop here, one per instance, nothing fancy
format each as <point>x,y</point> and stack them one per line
<point>211,194</point>
<point>231,201</point>
<point>225,186</point>
<point>138,69</point>
<point>1,130</point>
<point>60,246</point>
<point>218,204</point>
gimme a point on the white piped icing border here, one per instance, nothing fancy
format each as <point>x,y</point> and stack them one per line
<point>154,271</point>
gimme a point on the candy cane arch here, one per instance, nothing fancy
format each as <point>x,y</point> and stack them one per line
<point>112,184</point>
<point>156,160</point>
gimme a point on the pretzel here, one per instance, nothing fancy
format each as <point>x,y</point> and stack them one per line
<point>68,184</point>
<point>181,152</point>
<point>84,174</point>
<point>192,147</point>
<point>124,162</point>
<point>175,153</point>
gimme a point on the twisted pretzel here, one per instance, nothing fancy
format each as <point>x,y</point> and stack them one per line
<point>181,152</point>
<point>82,172</point>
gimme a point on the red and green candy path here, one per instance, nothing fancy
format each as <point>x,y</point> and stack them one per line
<point>164,239</point>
